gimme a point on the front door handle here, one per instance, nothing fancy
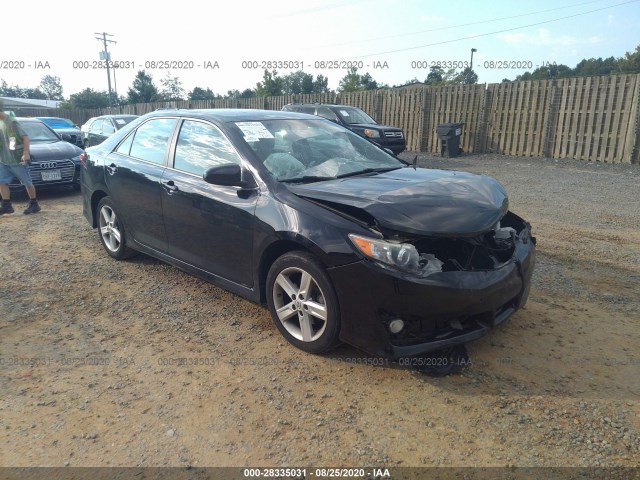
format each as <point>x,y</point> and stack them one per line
<point>111,168</point>
<point>170,187</point>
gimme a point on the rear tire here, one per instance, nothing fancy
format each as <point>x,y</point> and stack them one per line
<point>303,303</point>
<point>112,232</point>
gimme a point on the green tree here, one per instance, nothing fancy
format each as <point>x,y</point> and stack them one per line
<point>590,67</point>
<point>51,87</point>
<point>547,72</point>
<point>354,82</point>
<point>34,93</point>
<point>320,84</point>
<point>88,99</point>
<point>171,88</point>
<point>350,82</point>
<point>18,92</point>
<point>469,77</point>
<point>271,85</point>
<point>143,90</point>
<point>297,82</point>
<point>451,77</point>
<point>630,63</point>
<point>201,94</point>
<point>368,83</point>
<point>435,76</point>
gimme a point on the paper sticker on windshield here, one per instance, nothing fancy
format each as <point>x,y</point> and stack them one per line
<point>344,113</point>
<point>253,131</point>
<point>120,121</point>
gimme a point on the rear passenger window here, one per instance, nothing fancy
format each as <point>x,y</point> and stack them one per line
<point>97,125</point>
<point>152,139</point>
<point>107,127</point>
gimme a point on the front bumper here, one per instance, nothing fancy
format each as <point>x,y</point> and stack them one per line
<point>68,173</point>
<point>439,311</point>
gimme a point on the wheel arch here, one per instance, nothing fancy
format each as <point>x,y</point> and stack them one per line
<point>270,255</point>
<point>95,200</point>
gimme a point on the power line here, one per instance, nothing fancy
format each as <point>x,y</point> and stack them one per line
<point>490,33</point>
<point>454,26</point>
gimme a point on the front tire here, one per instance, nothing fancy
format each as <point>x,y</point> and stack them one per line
<point>303,303</point>
<point>111,231</point>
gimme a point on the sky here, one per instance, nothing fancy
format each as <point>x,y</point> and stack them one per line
<point>222,45</point>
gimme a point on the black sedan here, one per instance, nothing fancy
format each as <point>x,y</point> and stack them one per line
<point>54,162</point>
<point>341,240</point>
<point>98,129</point>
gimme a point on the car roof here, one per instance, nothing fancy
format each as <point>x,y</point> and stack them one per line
<point>52,118</point>
<point>117,116</point>
<point>234,115</point>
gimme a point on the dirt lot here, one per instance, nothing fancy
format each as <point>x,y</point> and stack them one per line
<point>136,363</point>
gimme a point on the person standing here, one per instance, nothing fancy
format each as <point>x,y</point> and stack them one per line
<point>14,162</point>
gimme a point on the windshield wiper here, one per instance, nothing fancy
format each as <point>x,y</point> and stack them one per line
<point>368,170</point>
<point>306,179</point>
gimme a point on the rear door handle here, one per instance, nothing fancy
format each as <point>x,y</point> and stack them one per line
<point>170,187</point>
<point>111,168</point>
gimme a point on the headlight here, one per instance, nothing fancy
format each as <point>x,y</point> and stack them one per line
<point>371,133</point>
<point>76,159</point>
<point>402,256</point>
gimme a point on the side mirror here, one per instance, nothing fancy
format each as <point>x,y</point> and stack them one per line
<point>388,150</point>
<point>66,137</point>
<point>230,175</point>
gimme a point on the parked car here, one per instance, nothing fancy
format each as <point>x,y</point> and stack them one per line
<point>54,162</point>
<point>85,126</point>
<point>67,130</point>
<point>357,121</point>
<point>341,240</point>
<point>98,129</point>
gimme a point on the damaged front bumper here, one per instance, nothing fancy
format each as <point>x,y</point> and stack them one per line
<point>438,311</point>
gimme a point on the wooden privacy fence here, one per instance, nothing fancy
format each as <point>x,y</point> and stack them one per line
<point>588,118</point>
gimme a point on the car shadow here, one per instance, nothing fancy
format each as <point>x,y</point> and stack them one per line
<point>62,192</point>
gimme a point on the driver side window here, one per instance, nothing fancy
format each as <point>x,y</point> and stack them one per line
<point>202,146</point>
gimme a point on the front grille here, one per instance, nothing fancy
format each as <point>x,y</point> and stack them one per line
<point>66,167</point>
<point>393,134</point>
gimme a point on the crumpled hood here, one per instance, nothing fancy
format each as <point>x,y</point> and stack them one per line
<point>59,150</point>
<point>420,202</point>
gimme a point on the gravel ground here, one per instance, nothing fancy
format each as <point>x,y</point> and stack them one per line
<point>136,363</point>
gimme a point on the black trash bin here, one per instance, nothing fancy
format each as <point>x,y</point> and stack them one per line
<point>449,135</point>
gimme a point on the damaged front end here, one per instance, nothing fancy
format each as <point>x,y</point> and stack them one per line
<point>423,256</point>
<point>439,291</point>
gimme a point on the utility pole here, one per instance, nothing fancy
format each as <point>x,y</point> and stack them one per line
<point>104,55</point>
<point>472,50</point>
